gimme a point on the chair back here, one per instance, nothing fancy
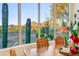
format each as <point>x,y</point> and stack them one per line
<point>59,42</point>
<point>42,45</point>
<point>12,52</point>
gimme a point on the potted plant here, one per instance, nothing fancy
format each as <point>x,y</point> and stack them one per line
<point>49,36</point>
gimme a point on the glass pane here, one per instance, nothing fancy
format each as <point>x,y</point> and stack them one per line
<point>45,19</point>
<point>29,10</point>
<point>13,25</point>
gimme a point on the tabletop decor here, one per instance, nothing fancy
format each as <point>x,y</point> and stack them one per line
<point>74,37</point>
<point>69,51</point>
<point>69,54</point>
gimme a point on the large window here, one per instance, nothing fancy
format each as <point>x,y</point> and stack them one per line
<point>52,20</point>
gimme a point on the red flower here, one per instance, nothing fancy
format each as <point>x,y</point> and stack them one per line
<point>77,40</point>
<point>73,37</point>
<point>73,50</point>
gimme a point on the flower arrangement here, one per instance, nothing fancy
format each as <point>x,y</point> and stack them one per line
<point>74,29</point>
<point>74,45</point>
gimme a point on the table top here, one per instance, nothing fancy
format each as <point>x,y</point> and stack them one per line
<point>51,51</point>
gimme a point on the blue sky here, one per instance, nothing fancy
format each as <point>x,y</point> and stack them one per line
<point>29,10</point>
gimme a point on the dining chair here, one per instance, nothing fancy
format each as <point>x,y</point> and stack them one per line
<point>42,45</point>
<point>25,52</point>
<point>59,42</point>
<point>12,52</point>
